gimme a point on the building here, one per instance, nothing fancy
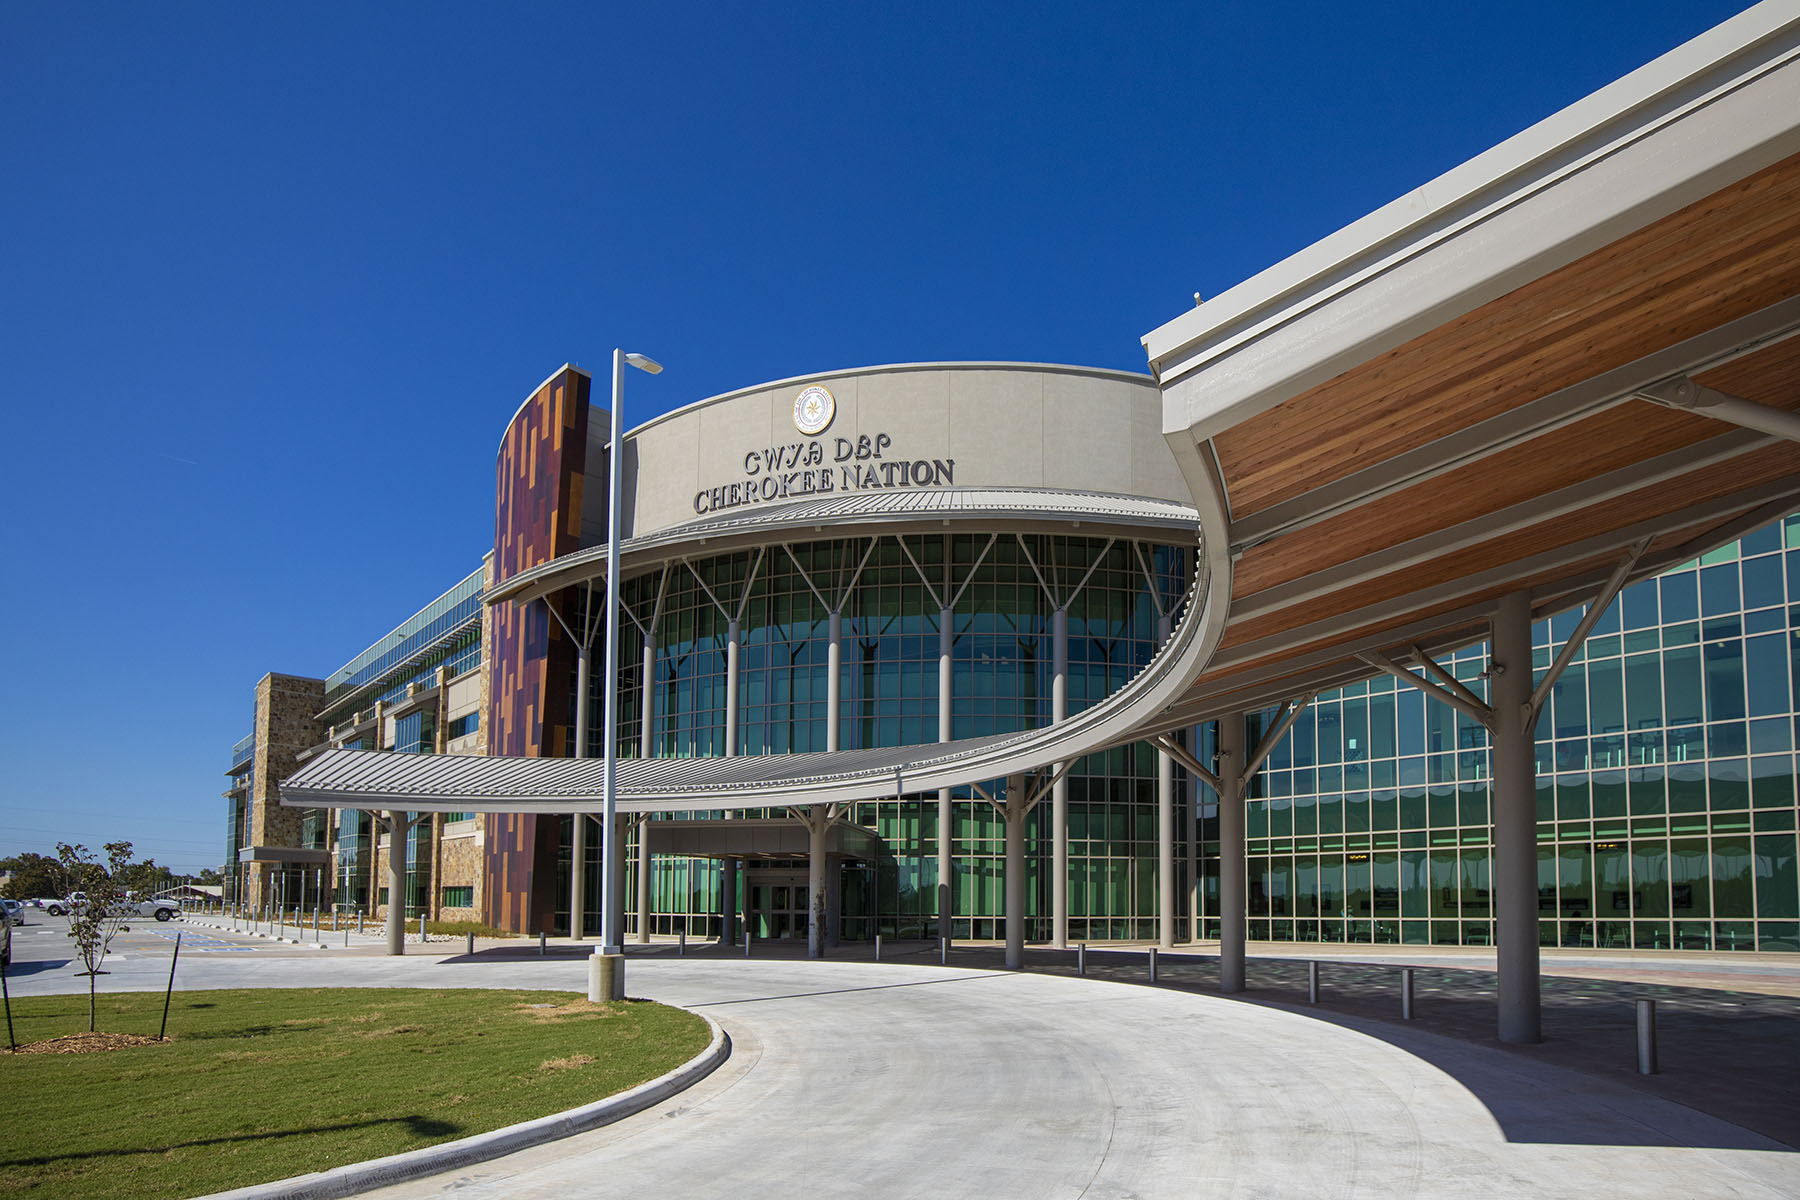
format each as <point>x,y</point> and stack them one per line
<point>419,689</point>
<point>1666,798</point>
<point>1561,370</point>
<point>1665,794</point>
<point>940,532</point>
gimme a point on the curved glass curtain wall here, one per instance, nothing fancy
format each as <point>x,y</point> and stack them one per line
<point>1666,783</point>
<point>1002,663</point>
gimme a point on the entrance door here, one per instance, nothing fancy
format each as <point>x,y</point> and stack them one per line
<point>777,904</point>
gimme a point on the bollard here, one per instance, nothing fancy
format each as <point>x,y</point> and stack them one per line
<point>681,946</point>
<point>878,947</point>
<point>315,922</point>
<point>359,920</point>
<point>1312,982</point>
<point>1646,1037</point>
<point>544,944</point>
<point>471,946</point>
<point>1081,958</point>
<point>422,927</point>
<point>1406,994</point>
<point>1153,964</point>
<point>746,939</point>
<point>943,952</point>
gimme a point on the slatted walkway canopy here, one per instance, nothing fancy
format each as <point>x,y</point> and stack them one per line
<point>1568,363</point>
<point>1575,347</point>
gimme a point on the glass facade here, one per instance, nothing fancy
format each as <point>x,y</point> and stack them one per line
<point>1666,783</point>
<point>355,834</point>
<point>1002,662</point>
<point>435,625</point>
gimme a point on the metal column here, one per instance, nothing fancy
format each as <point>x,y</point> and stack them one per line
<point>647,711</point>
<point>834,662</point>
<point>734,636</point>
<point>1014,814</point>
<point>1233,890</point>
<point>728,903</point>
<point>1193,847</point>
<point>613,857</point>
<point>643,879</point>
<point>816,823</point>
<point>1515,823</point>
<point>396,913</point>
<point>946,812</point>
<point>1165,833</point>
<point>1059,792</point>
<point>584,658</point>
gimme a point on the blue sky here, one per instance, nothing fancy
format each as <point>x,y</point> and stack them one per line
<point>276,276</point>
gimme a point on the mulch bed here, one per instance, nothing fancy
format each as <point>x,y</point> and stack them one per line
<point>86,1043</point>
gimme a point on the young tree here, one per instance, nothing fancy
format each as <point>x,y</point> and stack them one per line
<point>100,916</point>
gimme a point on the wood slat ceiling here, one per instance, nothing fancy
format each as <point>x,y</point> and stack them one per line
<point>1772,462</point>
<point>1733,254</point>
<point>1724,257</point>
<point>1212,694</point>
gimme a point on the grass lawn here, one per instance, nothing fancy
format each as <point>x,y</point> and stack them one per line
<point>262,1084</point>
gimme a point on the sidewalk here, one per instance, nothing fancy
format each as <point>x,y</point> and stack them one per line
<point>1728,1025</point>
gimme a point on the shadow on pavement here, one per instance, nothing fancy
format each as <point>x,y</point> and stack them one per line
<point>1727,1058</point>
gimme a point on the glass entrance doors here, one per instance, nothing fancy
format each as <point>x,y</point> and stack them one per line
<point>777,904</point>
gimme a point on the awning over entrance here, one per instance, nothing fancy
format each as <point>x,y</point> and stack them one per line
<point>379,779</point>
<point>289,856</point>
<point>758,840</point>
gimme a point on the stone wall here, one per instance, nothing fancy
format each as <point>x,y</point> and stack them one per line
<point>285,724</point>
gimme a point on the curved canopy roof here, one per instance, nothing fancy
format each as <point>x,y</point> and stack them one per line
<point>447,783</point>
<point>857,514</point>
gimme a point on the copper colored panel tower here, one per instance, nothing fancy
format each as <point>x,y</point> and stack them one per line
<point>538,478</point>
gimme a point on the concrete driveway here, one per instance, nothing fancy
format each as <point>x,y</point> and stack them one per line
<point>882,1079</point>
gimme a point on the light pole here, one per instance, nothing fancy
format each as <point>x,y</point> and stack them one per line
<point>610,933</point>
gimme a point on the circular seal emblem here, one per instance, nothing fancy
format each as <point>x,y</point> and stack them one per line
<point>813,410</point>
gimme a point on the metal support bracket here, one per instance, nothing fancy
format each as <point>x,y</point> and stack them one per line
<point>1683,393</point>
<point>1175,750</point>
<point>1595,609</point>
<point>1474,709</point>
<point>1284,720</point>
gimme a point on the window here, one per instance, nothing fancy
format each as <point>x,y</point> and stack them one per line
<point>458,897</point>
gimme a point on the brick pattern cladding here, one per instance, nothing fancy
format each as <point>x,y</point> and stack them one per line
<point>538,479</point>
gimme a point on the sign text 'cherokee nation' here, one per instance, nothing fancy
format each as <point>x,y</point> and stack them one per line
<point>799,469</point>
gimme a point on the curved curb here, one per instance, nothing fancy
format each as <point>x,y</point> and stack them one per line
<point>397,1168</point>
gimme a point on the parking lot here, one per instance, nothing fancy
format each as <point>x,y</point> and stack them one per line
<point>42,945</point>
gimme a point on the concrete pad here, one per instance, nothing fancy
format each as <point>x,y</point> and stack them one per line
<point>857,1078</point>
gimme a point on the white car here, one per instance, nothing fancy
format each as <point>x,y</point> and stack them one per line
<point>60,906</point>
<point>162,910</point>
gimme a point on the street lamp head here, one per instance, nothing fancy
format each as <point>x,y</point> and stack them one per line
<point>643,363</point>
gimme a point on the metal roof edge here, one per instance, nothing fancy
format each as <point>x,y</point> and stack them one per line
<point>799,514</point>
<point>585,374</point>
<point>1133,377</point>
<point>1530,160</point>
